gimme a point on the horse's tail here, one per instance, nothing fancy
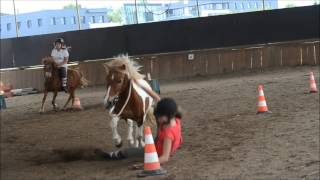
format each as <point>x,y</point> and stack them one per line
<point>83,81</point>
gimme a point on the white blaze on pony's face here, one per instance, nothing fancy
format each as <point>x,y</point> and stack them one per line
<point>47,66</point>
<point>116,81</point>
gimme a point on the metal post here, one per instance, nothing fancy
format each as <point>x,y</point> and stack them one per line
<point>78,15</point>
<point>198,8</point>
<point>263,5</point>
<point>15,18</point>
<point>135,5</point>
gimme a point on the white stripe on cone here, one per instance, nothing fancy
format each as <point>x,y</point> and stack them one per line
<point>262,103</point>
<point>151,157</point>
<point>261,93</point>
<point>148,139</point>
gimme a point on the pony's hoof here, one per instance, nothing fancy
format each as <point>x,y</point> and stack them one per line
<point>41,111</point>
<point>119,145</point>
<point>141,144</point>
<point>136,145</point>
<point>131,143</point>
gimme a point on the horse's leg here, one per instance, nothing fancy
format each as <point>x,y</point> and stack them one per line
<point>140,136</point>
<point>71,95</point>
<point>43,101</point>
<point>55,93</point>
<point>136,135</point>
<point>115,135</point>
<point>130,131</point>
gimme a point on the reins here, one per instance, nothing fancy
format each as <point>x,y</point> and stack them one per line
<point>125,104</point>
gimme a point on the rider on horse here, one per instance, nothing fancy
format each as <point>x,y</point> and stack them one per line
<point>60,56</point>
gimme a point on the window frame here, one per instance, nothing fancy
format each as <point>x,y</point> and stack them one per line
<point>29,23</point>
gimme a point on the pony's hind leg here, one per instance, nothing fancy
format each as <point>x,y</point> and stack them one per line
<point>138,136</point>
<point>55,106</point>
<point>71,96</point>
<point>130,132</point>
<point>43,101</point>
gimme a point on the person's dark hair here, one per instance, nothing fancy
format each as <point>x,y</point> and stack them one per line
<point>59,40</point>
<point>167,107</point>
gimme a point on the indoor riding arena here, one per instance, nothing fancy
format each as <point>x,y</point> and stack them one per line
<point>246,83</point>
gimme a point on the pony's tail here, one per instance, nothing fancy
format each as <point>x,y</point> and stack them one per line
<point>83,81</point>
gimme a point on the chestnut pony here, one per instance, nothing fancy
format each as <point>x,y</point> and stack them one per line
<point>53,84</point>
<point>125,99</point>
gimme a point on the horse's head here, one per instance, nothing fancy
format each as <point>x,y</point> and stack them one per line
<point>117,82</point>
<point>48,66</point>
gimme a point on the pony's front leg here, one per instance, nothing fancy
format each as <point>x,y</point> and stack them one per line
<point>115,135</point>
<point>130,132</point>
<point>43,101</point>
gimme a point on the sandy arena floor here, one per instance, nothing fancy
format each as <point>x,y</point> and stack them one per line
<point>223,136</point>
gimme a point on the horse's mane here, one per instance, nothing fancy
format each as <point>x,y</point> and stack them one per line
<point>47,60</point>
<point>132,67</point>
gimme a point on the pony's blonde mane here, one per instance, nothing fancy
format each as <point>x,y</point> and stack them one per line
<point>132,67</point>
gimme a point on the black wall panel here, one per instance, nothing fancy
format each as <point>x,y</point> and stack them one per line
<point>168,36</point>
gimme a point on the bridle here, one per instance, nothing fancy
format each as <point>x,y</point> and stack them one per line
<point>49,67</point>
<point>124,105</point>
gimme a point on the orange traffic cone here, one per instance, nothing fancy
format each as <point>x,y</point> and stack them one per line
<point>77,103</point>
<point>313,86</point>
<point>262,104</point>
<point>151,161</point>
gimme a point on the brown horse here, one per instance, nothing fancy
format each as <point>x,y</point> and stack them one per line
<point>53,84</point>
<point>125,99</point>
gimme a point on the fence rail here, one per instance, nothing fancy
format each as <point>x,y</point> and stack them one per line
<point>177,65</point>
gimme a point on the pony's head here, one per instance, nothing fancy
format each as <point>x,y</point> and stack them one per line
<point>119,73</point>
<point>48,65</point>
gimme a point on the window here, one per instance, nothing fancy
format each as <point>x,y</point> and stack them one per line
<point>73,20</point>
<point>169,12</point>
<point>219,6</point>
<point>240,6</point>
<point>53,21</point>
<point>270,5</point>
<point>193,11</point>
<point>63,20</point>
<point>225,5</point>
<point>19,25</point>
<point>257,5</point>
<point>101,19</point>
<point>251,5</point>
<point>83,19</point>
<point>92,19</point>
<point>39,22</point>
<point>29,23</point>
<point>9,27</point>
<point>148,16</point>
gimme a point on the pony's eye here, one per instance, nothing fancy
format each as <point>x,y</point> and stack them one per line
<point>119,81</point>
